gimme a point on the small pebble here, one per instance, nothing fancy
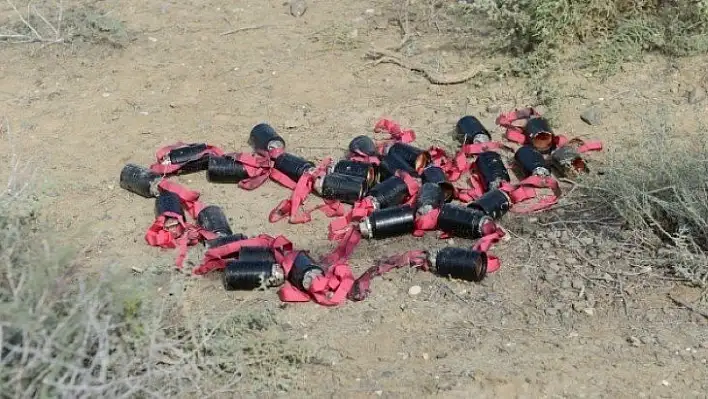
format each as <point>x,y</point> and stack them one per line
<point>665,383</point>
<point>578,283</point>
<point>696,95</point>
<point>634,341</point>
<point>414,290</point>
<point>297,7</point>
<point>591,116</point>
<point>493,108</point>
<point>426,356</point>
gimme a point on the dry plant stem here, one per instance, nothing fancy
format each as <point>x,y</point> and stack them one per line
<point>36,37</point>
<point>388,57</point>
<point>245,28</point>
<point>24,21</point>
<point>688,306</point>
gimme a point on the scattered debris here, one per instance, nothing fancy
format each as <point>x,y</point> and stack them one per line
<point>414,290</point>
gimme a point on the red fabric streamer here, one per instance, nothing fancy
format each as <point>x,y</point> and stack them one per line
<point>180,235</point>
<point>330,289</point>
<point>514,123</point>
<point>215,258</point>
<point>412,184</point>
<point>427,222</point>
<point>485,243</point>
<point>453,170</point>
<point>345,247</point>
<point>362,286</point>
<point>396,134</point>
<point>359,156</point>
<point>189,198</point>
<point>340,227</point>
<point>291,207</point>
<point>167,169</point>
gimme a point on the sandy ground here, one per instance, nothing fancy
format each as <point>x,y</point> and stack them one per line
<point>549,324</point>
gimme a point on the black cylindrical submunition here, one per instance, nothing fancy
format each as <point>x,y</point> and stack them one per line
<point>225,169</point>
<point>540,134</point>
<point>223,240</point>
<point>413,156</point>
<point>264,138</point>
<point>140,180</point>
<point>212,218</point>
<point>293,166</point>
<point>340,187</point>
<point>460,263</point>
<point>531,161</point>
<point>494,203</point>
<point>568,161</point>
<point>256,254</point>
<point>168,202</point>
<point>304,271</point>
<point>187,153</point>
<point>462,221</point>
<point>390,163</point>
<point>491,168</point>
<point>389,222</point>
<point>435,174</point>
<point>470,130</point>
<point>251,275</point>
<point>390,192</point>
<point>363,144</point>
<point>430,196</point>
<point>364,170</point>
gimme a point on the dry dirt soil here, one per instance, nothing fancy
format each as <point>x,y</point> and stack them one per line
<point>566,316</point>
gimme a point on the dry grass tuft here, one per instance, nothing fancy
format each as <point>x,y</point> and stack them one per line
<point>660,191</point>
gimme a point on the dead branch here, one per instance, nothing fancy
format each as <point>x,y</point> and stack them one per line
<point>688,306</point>
<point>245,28</point>
<point>388,57</point>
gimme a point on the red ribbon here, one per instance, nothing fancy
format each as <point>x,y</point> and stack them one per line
<point>291,207</point>
<point>215,258</point>
<point>167,169</point>
<point>362,286</point>
<point>427,222</point>
<point>180,236</point>
<point>359,156</point>
<point>189,198</point>
<point>485,243</point>
<point>514,123</point>
<point>329,289</point>
<point>396,134</point>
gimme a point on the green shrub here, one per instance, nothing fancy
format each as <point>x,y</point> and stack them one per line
<point>541,31</point>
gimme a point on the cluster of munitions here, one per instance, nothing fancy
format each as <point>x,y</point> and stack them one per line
<point>393,187</point>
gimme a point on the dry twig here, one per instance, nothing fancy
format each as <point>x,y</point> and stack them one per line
<point>688,306</point>
<point>388,57</point>
<point>245,28</point>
